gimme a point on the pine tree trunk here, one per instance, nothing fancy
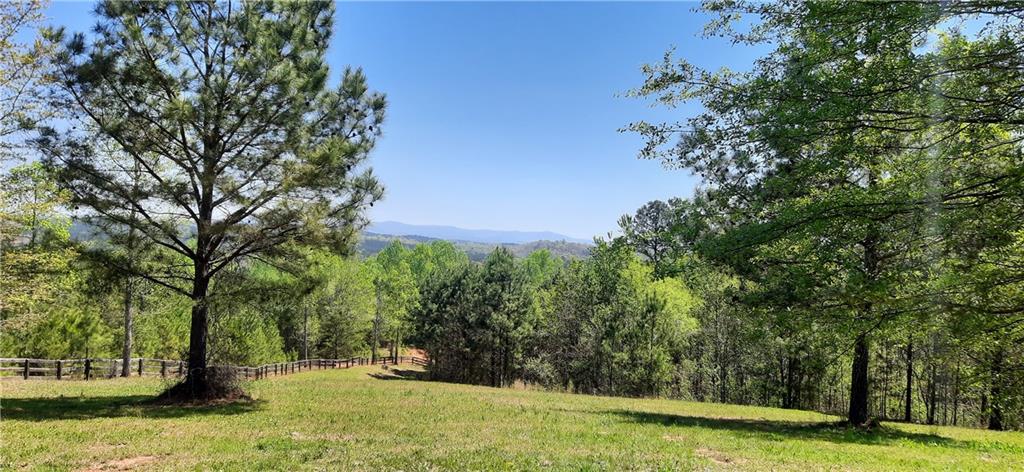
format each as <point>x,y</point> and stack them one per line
<point>196,379</point>
<point>858,414</point>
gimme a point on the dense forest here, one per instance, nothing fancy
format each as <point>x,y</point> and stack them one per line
<point>856,246</point>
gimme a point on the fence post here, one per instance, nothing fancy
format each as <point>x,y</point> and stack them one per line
<point>140,366</point>
<point>26,369</point>
<point>163,368</point>
<point>60,364</point>
<point>181,367</point>
<point>88,368</point>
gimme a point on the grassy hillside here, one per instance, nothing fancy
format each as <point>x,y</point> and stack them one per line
<point>370,419</point>
<point>372,243</point>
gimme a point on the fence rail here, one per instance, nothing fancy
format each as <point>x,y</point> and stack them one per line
<point>103,368</point>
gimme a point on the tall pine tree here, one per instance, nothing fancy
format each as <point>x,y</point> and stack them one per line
<point>244,147</point>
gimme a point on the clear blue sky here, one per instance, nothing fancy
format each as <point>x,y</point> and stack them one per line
<point>504,115</point>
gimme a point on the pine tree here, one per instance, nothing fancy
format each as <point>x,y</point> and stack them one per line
<point>244,147</point>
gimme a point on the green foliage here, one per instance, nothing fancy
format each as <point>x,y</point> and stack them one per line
<point>69,330</point>
<point>863,170</point>
<point>475,321</point>
<point>239,147</point>
<point>36,266</point>
<point>612,329</point>
<point>343,305</point>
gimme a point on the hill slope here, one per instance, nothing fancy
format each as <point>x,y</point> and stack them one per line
<point>371,419</point>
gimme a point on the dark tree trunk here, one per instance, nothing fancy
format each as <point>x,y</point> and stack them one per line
<point>932,394</point>
<point>196,379</point>
<point>858,414</point>
<point>995,417</point>
<point>984,409</point>
<point>398,345</point>
<point>305,333</point>
<point>956,394</point>
<point>792,399</point>
<point>908,397</point>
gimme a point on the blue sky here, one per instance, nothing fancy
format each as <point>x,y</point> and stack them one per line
<point>505,115</point>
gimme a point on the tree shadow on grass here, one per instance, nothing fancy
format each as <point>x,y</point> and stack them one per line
<point>789,430</point>
<point>128,406</point>
<point>400,374</point>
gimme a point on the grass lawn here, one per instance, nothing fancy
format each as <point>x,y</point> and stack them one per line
<point>354,420</point>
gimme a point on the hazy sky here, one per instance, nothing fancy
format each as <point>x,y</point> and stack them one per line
<point>505,115</point>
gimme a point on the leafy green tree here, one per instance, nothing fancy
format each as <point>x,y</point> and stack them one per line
<point>612,329</point>
<point>835,164</point>
<point>541,268</point>
<point>227,110</point>
<point>652,232</point>
<point>343,305</point>
<point>397,294</point>
<point>22,74</point>
<point>36,257</point>
<point>427,259</point>
<point>70,329</point>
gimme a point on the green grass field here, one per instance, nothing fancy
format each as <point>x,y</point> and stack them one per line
<point>355,420</point>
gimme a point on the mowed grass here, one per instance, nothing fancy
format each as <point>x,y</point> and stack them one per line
<point>369,419</point>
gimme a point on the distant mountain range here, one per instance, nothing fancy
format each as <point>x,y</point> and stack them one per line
<point>452,233</point>
<point>372,243</point>
<point>476,243</point>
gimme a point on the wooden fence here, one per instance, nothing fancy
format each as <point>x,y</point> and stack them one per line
<point>89,369</point>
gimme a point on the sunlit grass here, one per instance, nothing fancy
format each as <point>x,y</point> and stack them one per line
<point>348,419</point>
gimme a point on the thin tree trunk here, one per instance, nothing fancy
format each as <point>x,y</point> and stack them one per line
<point>129,292</point>
<point>305,332</point>
<point>995,417</point>
<point>908,396</point>
<point>956,393</point>
<point>398,341</point>
<point>126,350</point>
<point>932,393</point>
<point>376,330</point>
